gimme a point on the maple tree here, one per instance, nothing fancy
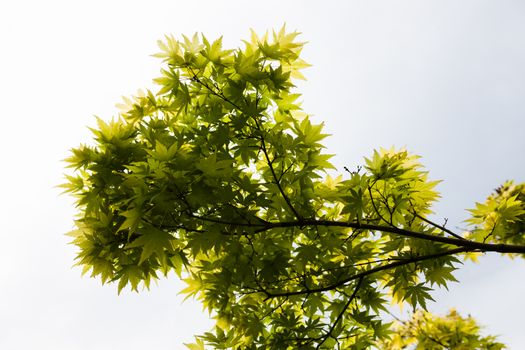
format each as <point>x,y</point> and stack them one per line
<point>220,177</point>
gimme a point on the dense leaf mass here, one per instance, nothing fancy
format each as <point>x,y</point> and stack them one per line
<point>425,331</point>
<point>220,177</point>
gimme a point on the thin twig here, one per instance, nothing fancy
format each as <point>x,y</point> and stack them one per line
<point>340,316</point>
<point>442,228</point>
<point>274,175</point>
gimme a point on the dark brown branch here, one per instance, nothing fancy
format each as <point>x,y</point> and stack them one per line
<point>374,206</point>
<point>333,269</point>
<point>366,273</point>
<point>458,242</point>
<point>470,245</point>
<point>224,222</point>
<point>274,175</point>
<point>442,228</point>
<point>340,316</point>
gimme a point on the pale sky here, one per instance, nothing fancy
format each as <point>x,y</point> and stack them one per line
<point>446,79</point>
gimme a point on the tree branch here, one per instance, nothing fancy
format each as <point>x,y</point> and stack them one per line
<point>442,228</point>
<point>340,316</point>
<point>274,175</point>
<point>213,92</point>
<point>465,243</point>
<point>366,273</point>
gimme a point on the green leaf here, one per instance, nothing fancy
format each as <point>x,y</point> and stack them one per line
<point>130,274</point>
<point>198,345</point>
<point>152,241</point>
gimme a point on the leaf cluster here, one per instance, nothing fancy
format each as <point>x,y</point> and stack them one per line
<point>220,177</point>
<point>425,331</point>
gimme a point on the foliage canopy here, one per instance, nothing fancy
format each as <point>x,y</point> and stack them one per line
<point>220,177</point>
<point>428,332</point>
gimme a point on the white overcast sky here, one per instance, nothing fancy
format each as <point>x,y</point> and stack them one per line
<point>446,79</point>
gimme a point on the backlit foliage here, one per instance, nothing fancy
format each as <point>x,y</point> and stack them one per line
<point>220,177</point>
<point>425,331</point>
